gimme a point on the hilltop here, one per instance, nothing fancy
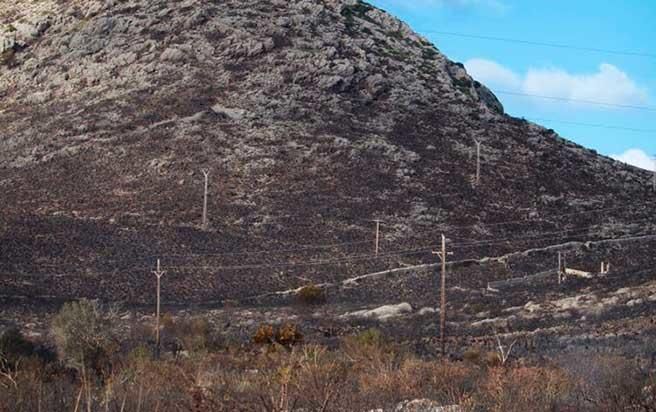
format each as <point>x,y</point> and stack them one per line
<point>313,118</point>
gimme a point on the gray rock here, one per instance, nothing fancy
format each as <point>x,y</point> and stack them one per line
<point>375,84</point>
<point>27,32</point>
<point>7,42</point>
<point>489,99</point>
<point>92,38</point>
<point>39,97</point>
<point>172,55</point>
<point>382,313</point>
<point>229,112</point>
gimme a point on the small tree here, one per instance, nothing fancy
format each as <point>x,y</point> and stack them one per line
<point>83,333</point>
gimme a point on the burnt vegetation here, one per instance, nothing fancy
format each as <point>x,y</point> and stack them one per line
<point>277,372</point>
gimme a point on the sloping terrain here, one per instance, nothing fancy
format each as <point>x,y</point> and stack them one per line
<point>313,118</point>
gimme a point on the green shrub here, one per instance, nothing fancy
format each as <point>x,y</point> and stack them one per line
<point>370,337</point>
<point>311,295</point>
<point>473,355</point>
<point>84,334</point>
<point>139,355</point>
<point>360,9</point>
<point>190,334</point>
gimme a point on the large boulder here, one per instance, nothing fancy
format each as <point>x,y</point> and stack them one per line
<point>7,41</point>
<point>27,32</point>
<point>383,312</point>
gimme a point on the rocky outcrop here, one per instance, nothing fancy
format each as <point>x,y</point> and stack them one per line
<point>22,33</point>
<point>382,313</point>
<point>7,41</point>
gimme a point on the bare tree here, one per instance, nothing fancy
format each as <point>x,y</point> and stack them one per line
<point>503,352</point>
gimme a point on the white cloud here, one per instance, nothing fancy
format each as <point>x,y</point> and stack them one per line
<point>636,157</point>
<point>492,73</point>
<point>608,85</point>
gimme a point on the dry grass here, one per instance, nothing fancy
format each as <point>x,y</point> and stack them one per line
<point>365,372</point>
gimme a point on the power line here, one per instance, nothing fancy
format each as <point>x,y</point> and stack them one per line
<point>543,44</point>
<point>601,126</point>
<point>567,99</point>
<point>570,233</point>
<point>348,259</point>
<point>266,252</point>
<point>352,259</point>
<point>324,262</point>
<point>442,228</point>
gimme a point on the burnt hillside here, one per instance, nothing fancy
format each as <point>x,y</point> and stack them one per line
<point>313,118</point>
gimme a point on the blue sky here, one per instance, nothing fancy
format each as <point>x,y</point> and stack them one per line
<point>627,80</point>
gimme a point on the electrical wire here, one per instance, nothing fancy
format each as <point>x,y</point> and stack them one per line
<point>542,44</point>
<point>601,126</point>
<point>572,100</point>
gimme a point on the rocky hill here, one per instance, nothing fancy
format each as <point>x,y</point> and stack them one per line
<point>312,117</point>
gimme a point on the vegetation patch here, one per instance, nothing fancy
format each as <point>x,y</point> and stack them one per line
<point>429,53</point>
<point>287,335</point>
<point>359,10</point>
<point>311,295</point>
<point>359,372</point>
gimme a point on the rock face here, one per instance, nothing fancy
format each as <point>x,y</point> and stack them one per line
<point>311,116</point>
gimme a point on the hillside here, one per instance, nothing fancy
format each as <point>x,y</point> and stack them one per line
<point>314,118</point>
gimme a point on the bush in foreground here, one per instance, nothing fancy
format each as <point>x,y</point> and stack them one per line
<point>84,335</point>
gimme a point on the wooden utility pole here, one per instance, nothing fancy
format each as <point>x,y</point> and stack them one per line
<point>206,173</point>
<point>442,254</point>
<point>158,273</point>
<point>377,235</point>
<point>478,161</point>
<point>560,267</point>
